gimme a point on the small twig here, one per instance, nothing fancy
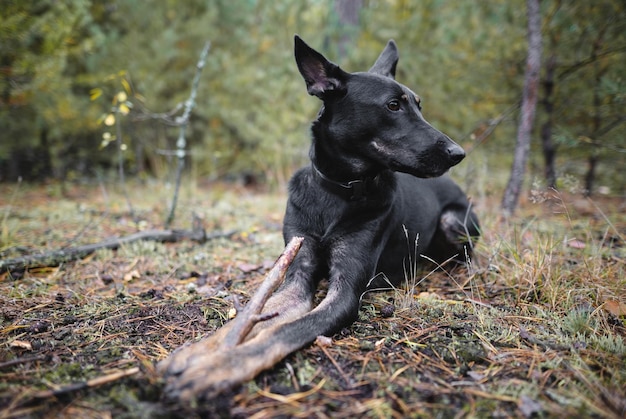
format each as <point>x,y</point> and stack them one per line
<point>263,317</point>
<point>181,143</point>
<point>24,360</point>
<point>95,382</point>
<point>525,334</point>
<point>335,363</point>
<point>236,303</point>
<point>491,126</point>
<point>78,235</point>
<point>294,397</point>
<point>166,117</point>
<point>245,321</point>
<point>418,334</point>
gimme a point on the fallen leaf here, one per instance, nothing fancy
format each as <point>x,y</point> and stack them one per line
<point>428,295</point>
<point>248,267</point>
<point>478,302</point>
<point>206,290</point>
<point>615,307</point>
<point>576,244</point>
<point>21,344</point>
<point>132,275</point>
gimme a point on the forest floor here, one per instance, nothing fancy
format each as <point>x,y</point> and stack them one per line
<point>535,326</point>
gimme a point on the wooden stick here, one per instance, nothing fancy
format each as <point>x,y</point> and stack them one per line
<point>57,257</point>
<point>219,361</point>
<point>24,360</point>
<point>245,321</point>
<point>94,382</point>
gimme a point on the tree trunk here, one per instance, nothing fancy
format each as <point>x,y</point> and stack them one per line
<point>529,106</point>
<point>348,12</point>
<point>592,161</point>
<point>45,159</point>
<point>549,149</point>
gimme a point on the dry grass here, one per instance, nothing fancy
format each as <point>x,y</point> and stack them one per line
<point>535,327</point>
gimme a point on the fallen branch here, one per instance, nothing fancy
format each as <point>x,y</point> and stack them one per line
<point>24,360</point>
<point>57,257</point>
<point>525,334</point>
<point>94,382</point>
<point>221,361</point>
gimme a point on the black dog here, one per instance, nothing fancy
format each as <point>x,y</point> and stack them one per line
<point>354,210</point>
<point>352,207</point>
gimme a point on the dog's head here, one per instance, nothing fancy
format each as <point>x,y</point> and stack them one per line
<point>375,118</point>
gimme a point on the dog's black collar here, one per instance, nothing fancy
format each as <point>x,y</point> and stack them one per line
<point>353,190</point>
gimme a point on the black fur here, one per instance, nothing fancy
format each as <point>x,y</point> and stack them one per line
<point>376,172</point>
<point>369,128</point>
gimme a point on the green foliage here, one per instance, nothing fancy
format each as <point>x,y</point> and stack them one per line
<point>589,43</point>
<point>252,113</point>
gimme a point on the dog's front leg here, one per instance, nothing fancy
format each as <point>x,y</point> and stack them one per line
<point>216,362</point>
<point>295,296</point>
<point>215,372</point>
<point>208,374</point>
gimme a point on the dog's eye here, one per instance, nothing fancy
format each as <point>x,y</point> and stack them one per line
<point>393,105</point>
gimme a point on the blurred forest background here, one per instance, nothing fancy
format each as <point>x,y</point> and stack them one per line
<point>76,75</point>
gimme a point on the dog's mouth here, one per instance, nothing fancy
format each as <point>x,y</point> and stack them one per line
<point>428,164</point>
<point>420,169</point>
<point>425,174</point>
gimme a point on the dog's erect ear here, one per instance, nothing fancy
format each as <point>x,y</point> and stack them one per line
<point>322,77</point>
<point>386,63</point>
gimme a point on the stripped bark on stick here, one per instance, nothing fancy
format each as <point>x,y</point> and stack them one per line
<point>226,353</point>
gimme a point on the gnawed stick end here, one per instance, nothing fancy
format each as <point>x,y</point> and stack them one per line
<point>220,362</point>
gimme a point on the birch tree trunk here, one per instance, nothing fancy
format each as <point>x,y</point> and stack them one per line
<point>348,12</point>
<point>528,108</point>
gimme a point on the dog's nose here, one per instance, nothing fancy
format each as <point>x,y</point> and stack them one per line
<point>456,153</point>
